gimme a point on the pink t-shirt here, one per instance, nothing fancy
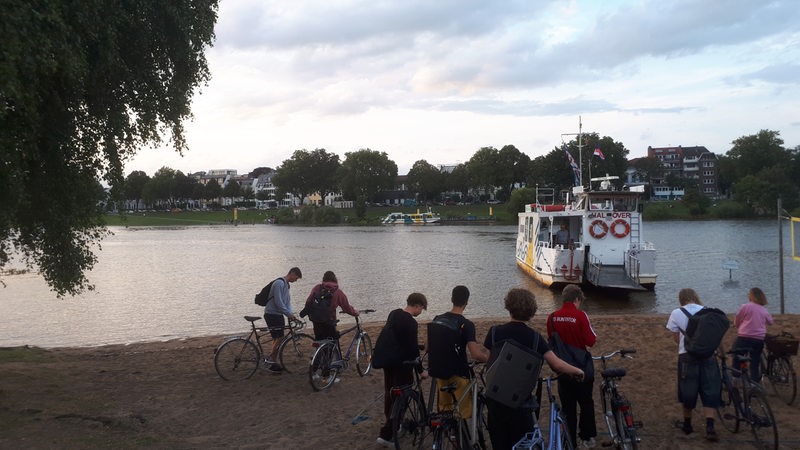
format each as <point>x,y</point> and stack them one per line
<point>752,320</point>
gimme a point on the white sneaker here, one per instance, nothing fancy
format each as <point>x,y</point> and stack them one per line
<point>589,443</point>
<point>383,442</point>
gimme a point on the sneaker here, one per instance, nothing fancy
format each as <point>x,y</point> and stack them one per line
<point>385,442</point>
<point>589,443</point>
<point>711,435</point>
<point>685,427</point>
<point>275,368</point>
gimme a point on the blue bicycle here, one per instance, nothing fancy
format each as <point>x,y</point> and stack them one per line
<point>558,436</point>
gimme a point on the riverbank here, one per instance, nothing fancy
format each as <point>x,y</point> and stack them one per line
<point>167,395</point>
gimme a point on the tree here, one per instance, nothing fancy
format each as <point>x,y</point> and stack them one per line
<point>512,168</point>
<point>83,86</point>
<point>306,173</point>
<point>363,174</point>
<point>458,180</point>
<point>647,169</point>
<point>134,185</point>
<point>483,169</point>
<point>232,190</point>
<point>425,179</point>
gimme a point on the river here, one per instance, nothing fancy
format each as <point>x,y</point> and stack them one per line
<point>157,284</point>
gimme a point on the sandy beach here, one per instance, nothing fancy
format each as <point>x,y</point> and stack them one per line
<point>167,395</point>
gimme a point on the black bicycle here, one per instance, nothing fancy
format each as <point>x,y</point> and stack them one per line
<point>410,412</point>
<point>617,410</point>
<point>745,401</point>
<point>238,357</point>
<point>328,360</point>
<point>776,365</point>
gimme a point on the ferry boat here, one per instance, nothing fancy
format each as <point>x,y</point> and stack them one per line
<point>594,238</point>
<point>418,218</point>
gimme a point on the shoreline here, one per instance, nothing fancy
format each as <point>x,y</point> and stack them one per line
<point>168,395</point>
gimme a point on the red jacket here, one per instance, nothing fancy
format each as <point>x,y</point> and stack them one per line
<point>573,326</point>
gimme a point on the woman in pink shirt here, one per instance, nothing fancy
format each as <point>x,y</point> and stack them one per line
<point>751,322</point>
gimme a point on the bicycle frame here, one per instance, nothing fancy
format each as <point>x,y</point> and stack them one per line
<point>475,389</point>
<point>622,432</point>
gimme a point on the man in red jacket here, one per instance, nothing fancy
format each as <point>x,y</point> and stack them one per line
<point>575,329</point>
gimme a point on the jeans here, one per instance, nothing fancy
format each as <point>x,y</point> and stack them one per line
<point>754,347</point>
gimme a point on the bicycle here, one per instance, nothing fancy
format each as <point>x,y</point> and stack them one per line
<point>328,362</point>
<point>410,415</point>
<point>776,365</point>
<point>452,431</point>
<point>616,407</point>
<point>558,432</point>
<point>238,357</point>
<point>745,401</point>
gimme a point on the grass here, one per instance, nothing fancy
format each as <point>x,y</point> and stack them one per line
<point>22,354</point>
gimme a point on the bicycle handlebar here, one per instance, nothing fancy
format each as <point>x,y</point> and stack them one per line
<point>624,353</point>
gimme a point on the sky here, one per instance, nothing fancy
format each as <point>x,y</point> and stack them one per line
<point>438,80</point>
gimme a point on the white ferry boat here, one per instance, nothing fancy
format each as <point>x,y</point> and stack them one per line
<point>594,238</point>
<point>418,218</point>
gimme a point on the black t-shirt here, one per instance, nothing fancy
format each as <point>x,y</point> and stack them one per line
<point>448,335</point>
<point>520,332</point>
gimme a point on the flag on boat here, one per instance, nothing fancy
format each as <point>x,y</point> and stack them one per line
<point>576,172</point>
<point>599,153</point>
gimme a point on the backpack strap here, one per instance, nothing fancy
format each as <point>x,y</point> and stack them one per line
<point>686,311</point>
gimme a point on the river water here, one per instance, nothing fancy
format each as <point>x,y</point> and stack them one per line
<point>158,284</point>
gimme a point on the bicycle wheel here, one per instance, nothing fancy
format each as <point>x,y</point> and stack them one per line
<point>320,373</point>
<point>728,411</point>
<point>626,431</point>
<point>364,354</point>
<point>484,441</point>
<point>408,421</point>
<point>765,430</point>
<point>295,352</point>
<point>783,379</point>
<point>236,359</point>
<point>564,440</point>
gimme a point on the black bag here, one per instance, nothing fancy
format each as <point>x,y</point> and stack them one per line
<point>574,356</point>
<point>319,309</point>
<point>445,348</point>
<point>387,352</point>
<point>263,297</point>
<point>513,372</point>
<point>704,332</point>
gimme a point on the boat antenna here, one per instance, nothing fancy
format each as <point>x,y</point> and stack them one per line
<point>580,150</point>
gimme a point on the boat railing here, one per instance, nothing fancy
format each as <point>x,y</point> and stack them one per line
<point>632,267</point>
<point>593,271</point>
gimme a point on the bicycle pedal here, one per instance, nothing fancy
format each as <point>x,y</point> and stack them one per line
<point>337,365</point>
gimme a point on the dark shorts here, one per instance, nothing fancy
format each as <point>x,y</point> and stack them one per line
<point>698,377</point>
<point>276,323</point>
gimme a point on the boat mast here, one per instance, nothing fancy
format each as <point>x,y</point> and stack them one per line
<point>580,152</point>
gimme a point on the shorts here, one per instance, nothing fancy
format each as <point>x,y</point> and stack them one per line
<point>698,377</point>
<point>276,323</point>
<point>446,398</point>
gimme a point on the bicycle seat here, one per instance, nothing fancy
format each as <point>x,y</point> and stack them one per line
<point>614,372</point>
<point>252,318</point>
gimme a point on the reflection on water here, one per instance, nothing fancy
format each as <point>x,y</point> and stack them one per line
<point>159,284</point>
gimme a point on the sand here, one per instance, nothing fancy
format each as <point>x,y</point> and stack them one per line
<point>167,395</point>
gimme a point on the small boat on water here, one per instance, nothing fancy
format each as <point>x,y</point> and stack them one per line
<point>418,218</point>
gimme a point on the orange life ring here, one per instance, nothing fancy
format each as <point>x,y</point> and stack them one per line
<point>626,228</point>
<point>593,230</point>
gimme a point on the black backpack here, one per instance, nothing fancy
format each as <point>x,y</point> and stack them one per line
<point>704,332</point>
<point>263,297</point>
<point>319,310</point>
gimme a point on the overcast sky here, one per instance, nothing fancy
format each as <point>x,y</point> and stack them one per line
<point>439,79</point>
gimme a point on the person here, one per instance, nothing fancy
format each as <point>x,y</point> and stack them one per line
<point>327,329</point>
<point>575,329</point>
<point>507,425</point>
<point>405,331</point>
<point>448,332</point>
<point>695,376</point>
<point>751,328</point>
<point>562,235</point>
<point>276,309</point>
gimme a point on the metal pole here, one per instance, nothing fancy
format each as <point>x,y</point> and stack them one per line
<point>780,250</point>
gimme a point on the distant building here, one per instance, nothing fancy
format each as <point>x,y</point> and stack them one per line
<point>696,163</point>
